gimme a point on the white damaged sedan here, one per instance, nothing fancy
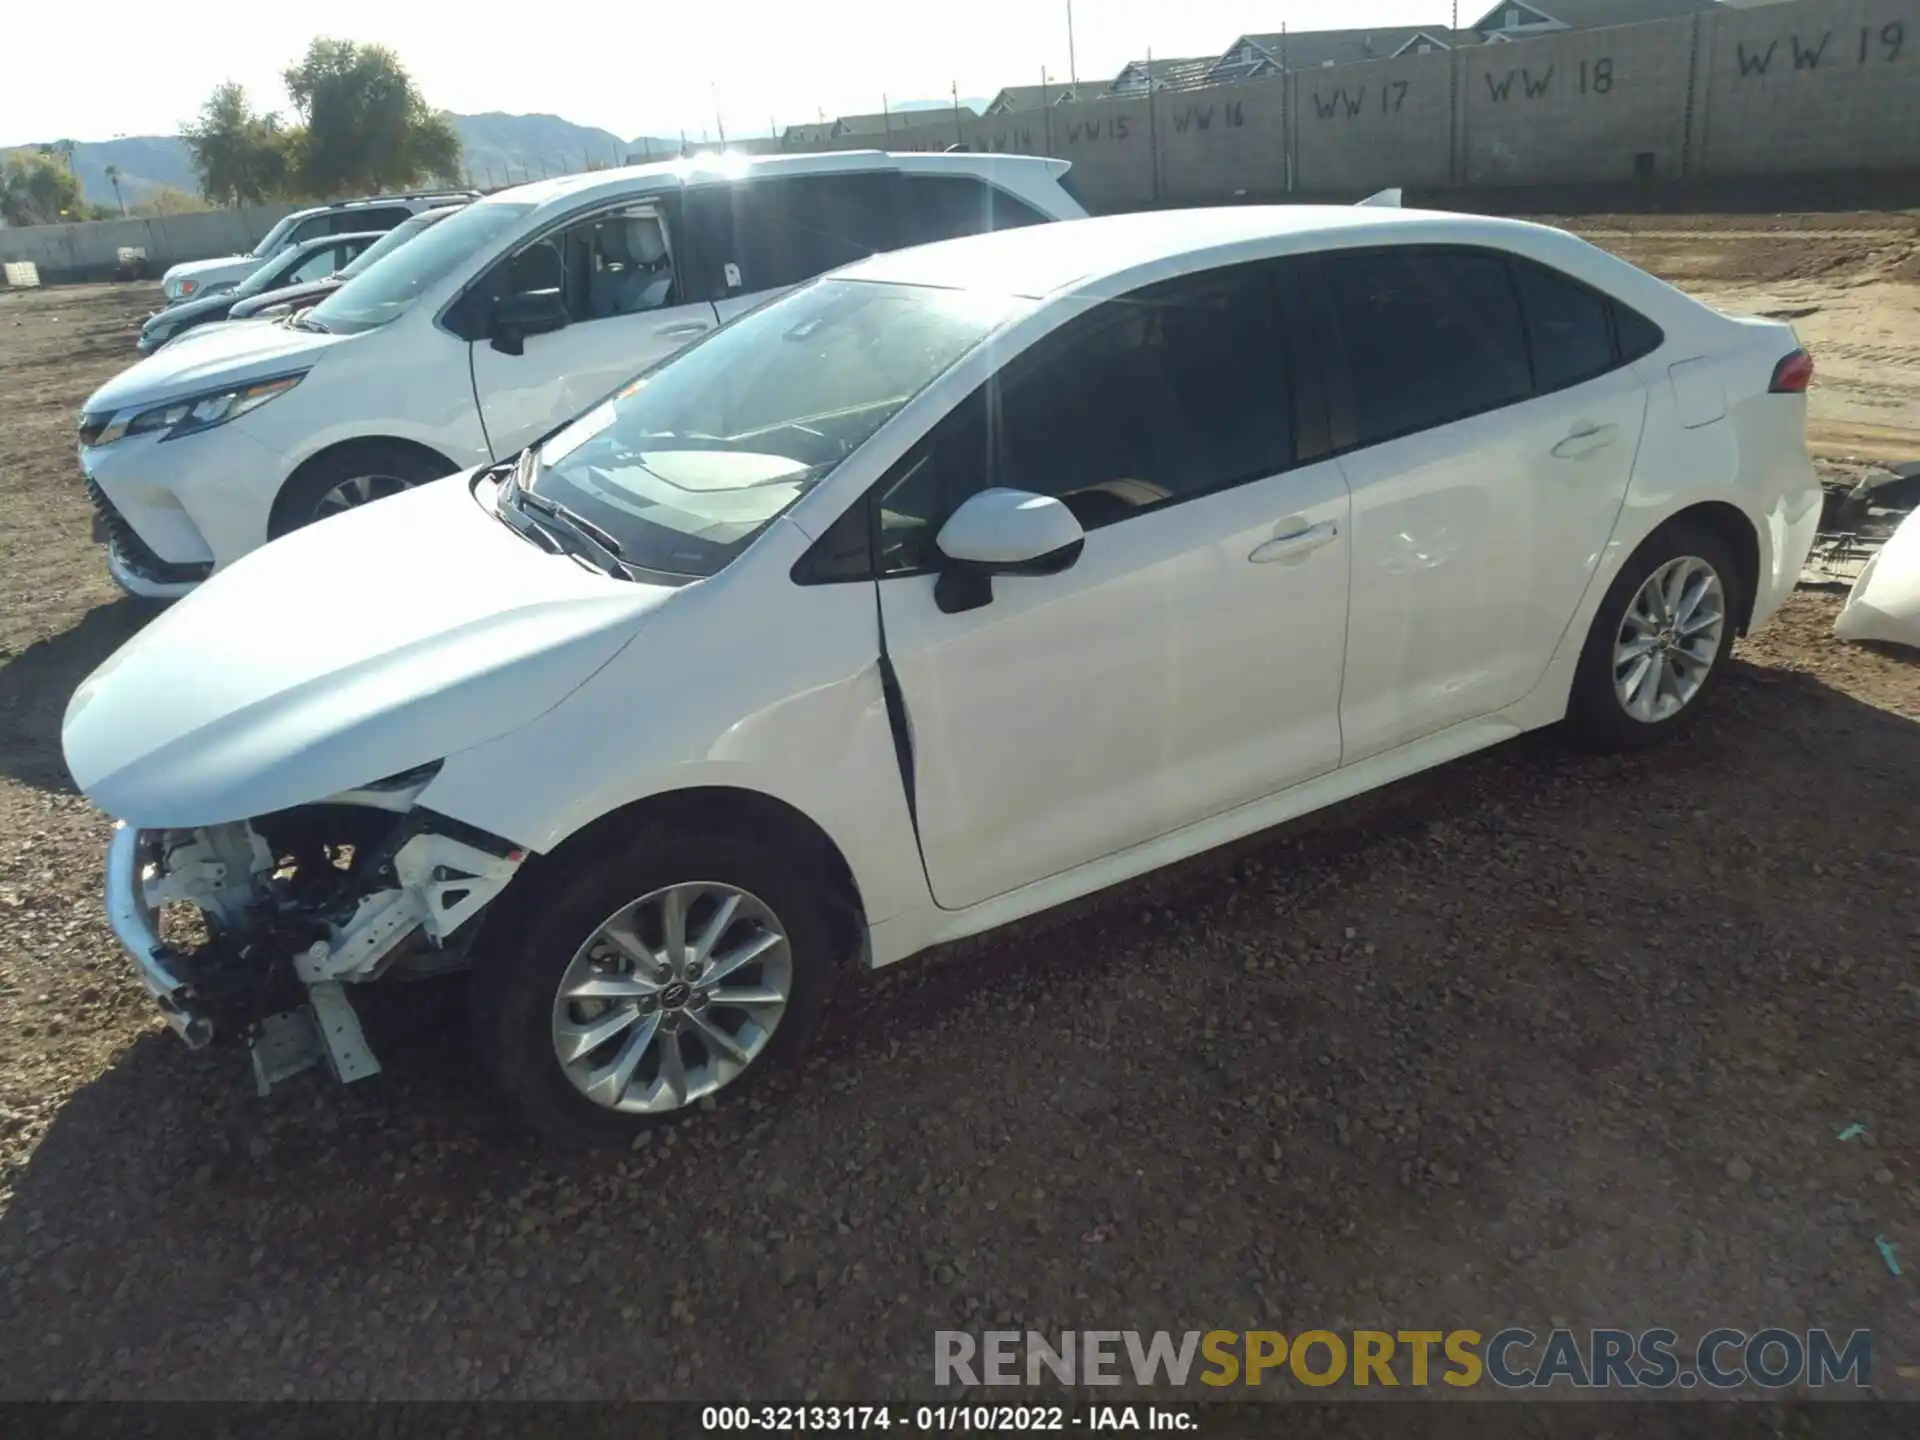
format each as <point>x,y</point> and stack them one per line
<point>937,592</point>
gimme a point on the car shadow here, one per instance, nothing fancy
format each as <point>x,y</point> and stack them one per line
<point>36,684</point>
<point>320,1187</point>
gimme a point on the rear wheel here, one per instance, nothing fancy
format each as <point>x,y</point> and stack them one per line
<point>679,968</point>
<point>349,477</point>
<point>1659,640</point>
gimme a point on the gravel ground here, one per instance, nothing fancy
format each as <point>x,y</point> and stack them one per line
<point>1534,1039</point>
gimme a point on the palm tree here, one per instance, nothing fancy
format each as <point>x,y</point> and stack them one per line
<point>113,179</point>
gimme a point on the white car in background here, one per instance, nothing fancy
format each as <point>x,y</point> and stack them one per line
<point>489,330</point>
<point>955,585</point>
<point>197,279</point>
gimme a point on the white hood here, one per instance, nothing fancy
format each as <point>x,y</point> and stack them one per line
<point>359,647</point>
<point>223,355</point>
<point>221,267</point>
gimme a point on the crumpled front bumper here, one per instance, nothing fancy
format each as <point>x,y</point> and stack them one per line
<point>129,855</point>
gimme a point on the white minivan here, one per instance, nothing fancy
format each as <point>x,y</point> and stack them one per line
<point>490,330</point>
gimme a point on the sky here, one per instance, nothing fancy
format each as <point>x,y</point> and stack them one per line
<point>632,69</point>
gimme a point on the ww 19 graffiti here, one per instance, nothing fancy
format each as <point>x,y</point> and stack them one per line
<point>1882,45</point>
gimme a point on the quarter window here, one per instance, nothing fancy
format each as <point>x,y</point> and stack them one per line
<point>1567,330</point>
<point>1432,336</point>
<point>1175,391</point>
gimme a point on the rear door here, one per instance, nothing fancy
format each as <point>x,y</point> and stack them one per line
<point>609,337</point>
<point>1489,431</point>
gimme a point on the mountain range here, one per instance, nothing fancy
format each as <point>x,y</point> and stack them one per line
<point>496,149</point>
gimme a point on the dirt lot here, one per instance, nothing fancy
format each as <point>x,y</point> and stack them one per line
<point>1533,1040</point>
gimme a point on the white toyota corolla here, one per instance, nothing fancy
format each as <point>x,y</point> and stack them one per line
<point>942,590</point>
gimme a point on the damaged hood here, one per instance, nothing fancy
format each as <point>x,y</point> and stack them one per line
<point>363,645</point>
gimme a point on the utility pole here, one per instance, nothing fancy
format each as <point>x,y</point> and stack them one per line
<point>1073,70</point>
<point>886,117</point>
<point>958,138</point>
<point>719,124</point>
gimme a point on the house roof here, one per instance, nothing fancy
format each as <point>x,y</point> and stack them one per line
<point>1593,14</point>
<point>1030,97</point>
<point>878,123</point>
<point>1172,74</point>
<point>1311,49</point>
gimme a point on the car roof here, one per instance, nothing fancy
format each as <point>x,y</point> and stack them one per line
<point>1041,260</point>
<point>662,175</point>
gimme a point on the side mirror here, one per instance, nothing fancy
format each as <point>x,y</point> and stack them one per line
<point>532,312</point>
<point>1002,532</point>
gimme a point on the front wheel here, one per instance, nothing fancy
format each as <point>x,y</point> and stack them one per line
<point>678,968</point>
<point>349,477</point>
<point>1659,639</point>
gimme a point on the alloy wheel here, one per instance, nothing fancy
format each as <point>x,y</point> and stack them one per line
<point>358,491</point>
<point>672,997</point>
<point>1669,639</point>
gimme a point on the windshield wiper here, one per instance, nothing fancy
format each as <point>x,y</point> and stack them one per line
<point>560,525</point>
<point>302,320</point>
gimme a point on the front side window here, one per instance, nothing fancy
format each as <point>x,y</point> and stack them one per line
<point>271,242</point>
<point>1177,390</point>
<point>686,466</point>
<point>393,285</point>
<point>317,266</point>
<point>1432,336</point>
<point>383,217</point>
<point>311,228</point>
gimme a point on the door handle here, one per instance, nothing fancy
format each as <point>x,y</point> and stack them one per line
<point>696,327</point>
<point>1295,544</point>
<point>1584,439</point>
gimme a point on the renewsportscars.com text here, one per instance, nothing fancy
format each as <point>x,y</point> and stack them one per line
<point>1513,1358</point>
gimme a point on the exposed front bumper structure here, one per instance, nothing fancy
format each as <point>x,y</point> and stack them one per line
<point>132,919</point>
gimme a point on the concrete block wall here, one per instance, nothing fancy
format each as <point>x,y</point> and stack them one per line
<point>1368,127</point>
<point>1581,106</point>
<point>1221,142</point>
<point>1809,87</point>
<point>91,250</point>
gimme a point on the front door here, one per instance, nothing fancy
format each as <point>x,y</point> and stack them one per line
<point>1495,434</point>
<point>1190,660</point>
<point>628,310</point>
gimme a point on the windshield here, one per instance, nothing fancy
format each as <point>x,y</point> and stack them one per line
<point>388,243</point>
<point>689,463</point>
<point>270,241</point>
<point>385,291</point>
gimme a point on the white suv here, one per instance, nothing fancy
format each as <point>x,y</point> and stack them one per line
<point>197,279</point>
<point>490,330</point>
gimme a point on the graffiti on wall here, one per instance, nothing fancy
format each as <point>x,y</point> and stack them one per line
<point>1348,104</point>
<point>1595,77</point>
<point>1232,116</point>
<point>1883,46</point>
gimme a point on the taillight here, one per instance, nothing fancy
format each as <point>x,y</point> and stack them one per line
<point>1792,375</point>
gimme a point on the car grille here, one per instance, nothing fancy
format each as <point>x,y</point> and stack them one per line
<point>134,552</point>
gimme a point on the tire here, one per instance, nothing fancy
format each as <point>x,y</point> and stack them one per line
<point>379,468</point>
<point>518,1013</point>
<point>1599,716</point>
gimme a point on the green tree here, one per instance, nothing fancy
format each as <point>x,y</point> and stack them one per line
<point>365,126</point>
<point>36,189</point>
<point>241,155</point>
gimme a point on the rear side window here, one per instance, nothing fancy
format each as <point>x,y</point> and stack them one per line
<point>775,233</point>
<point>939,207</point>
<point>382,217</point>
<point>1567,329</point>
<point>1432,336</point>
